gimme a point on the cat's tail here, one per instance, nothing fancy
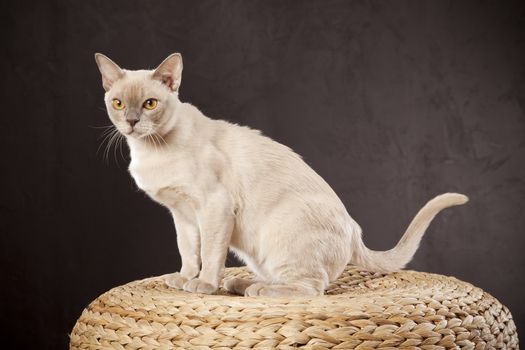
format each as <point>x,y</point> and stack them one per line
<point>396,258</point>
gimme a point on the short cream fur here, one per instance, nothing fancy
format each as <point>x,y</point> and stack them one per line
<point>229,187</point>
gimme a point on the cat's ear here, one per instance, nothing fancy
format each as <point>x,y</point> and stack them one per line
<point>169,72</point>
<point>110,71</point>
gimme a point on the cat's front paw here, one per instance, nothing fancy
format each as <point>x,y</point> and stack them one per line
<point>175,280</point>
<point>199,286</point>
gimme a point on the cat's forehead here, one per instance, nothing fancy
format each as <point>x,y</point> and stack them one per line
<point>136,85</point>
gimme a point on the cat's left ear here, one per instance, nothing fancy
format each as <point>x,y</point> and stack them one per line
<point>110,71</point>
<point>169,72</point>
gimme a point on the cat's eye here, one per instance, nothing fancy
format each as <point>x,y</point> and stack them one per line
<point>118,104</point>
<point>150,103</point>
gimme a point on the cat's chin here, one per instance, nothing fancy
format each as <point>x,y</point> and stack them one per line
<point>133,133</point>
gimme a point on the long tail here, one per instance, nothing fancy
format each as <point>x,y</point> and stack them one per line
<point>396,258</point>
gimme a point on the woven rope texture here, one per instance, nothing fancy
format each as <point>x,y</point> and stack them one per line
<point>361,310</point>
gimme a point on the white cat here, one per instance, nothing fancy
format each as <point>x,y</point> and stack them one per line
<point>228,186</point>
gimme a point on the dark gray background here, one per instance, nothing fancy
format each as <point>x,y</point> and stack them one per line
<point>392,102</point>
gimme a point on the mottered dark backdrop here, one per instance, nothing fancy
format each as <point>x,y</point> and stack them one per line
<point>392,102</point>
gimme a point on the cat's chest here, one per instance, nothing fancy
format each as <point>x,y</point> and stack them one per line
<point>165,179</point>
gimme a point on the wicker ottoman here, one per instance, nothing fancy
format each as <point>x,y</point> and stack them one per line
<point>362,310</point>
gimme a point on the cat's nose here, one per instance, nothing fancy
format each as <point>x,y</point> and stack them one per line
<point>132,121</point>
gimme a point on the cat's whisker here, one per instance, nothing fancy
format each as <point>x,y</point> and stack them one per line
<point>120,141</point>
<point>157,142</point>
<point>152,138</point>
<point>115,149</point>
<point>107,132</point>
<point>114,145</point>
<point>105,137</point>
<point>111,137</point>
<point>101,127</point>
<point>162,142</point>
<point>99,146</point>
<point>161,138</point>
<point>114,134</point>
<point>108,140</point>
<point>148,139</point>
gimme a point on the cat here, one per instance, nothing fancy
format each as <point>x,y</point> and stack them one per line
<point>230,187</point>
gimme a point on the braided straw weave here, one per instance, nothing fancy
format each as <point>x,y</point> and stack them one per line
<point>361,310</point>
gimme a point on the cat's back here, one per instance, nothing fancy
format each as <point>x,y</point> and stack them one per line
<point>266,168</point>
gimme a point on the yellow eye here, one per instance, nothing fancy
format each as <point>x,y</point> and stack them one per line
<point>118,104</point>
<point>150,103</point>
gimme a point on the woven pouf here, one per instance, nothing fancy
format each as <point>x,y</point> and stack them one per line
<point>361,310</point>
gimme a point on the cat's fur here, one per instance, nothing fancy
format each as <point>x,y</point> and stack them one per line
<point>228,186</point>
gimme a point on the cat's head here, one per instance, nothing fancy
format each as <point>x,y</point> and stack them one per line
<point>141,102</point>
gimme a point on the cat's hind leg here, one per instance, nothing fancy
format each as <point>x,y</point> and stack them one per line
<point>302,268</point>
<point>237,285</point>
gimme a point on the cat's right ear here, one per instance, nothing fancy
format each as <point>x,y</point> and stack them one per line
<point>110,71</point>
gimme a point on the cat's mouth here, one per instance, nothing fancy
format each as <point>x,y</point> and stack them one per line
<point>130,131</point>
<point>136,131</point>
